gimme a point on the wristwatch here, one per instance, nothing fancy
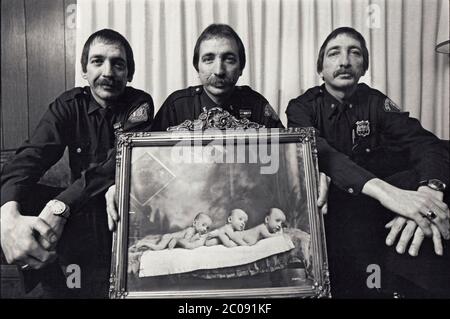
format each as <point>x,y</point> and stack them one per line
<point>58,208</point>
<point>435,184</point>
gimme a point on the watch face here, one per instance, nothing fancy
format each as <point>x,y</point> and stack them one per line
<point>58,207</point>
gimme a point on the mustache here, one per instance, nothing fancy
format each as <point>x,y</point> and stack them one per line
<point>343,71</point>
<point>213,80</point>
<point>106,82</point>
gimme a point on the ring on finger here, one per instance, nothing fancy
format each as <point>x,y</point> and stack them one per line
<point>25,267</point>
<point>430,215</point>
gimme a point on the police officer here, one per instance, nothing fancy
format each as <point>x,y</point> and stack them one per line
<point>83,120</point>
<point>219,58</point>
<point>375,155</point>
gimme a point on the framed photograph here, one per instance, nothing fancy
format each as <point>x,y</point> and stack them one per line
<point>172,184</point>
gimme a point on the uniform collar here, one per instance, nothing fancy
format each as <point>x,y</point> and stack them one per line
<point>207,103</point>
<point>93,105</point>
<point>333,106</point>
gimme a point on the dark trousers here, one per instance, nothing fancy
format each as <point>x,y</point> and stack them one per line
<point>356,235</point>
<point>86,243</point>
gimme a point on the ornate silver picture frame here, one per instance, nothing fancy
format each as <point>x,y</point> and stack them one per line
<point>164,180</point>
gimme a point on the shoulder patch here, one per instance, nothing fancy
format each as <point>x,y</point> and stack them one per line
<point>390,106</point>
<point>270,112</point>
<point>140,114</point>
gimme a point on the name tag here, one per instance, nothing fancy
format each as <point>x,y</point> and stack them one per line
<point>245,113</point>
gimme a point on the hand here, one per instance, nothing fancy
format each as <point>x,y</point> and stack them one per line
<point>211,234</point>
<point>397,224</point>
<point>111,208</point>
<point>411,204</point>
<point>55,222</point>
<point>324,184</point>
<point>18,238</point>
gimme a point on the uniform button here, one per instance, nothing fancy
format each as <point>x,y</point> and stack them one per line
<point>367,150</point>
<point>350,190</point>
<point>197,89</point>
<point>78,150</point>
<point>333,106</point>
<point>350,106</point>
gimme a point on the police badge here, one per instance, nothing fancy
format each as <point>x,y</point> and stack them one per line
<point>362,128</point>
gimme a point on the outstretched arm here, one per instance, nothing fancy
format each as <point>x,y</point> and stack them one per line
<point>183,242</point>
<point>226,241</point>
<point>236,238</point>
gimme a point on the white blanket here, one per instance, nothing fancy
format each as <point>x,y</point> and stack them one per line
<point>180,260</point>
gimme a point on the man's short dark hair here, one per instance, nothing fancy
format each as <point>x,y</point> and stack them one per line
<point>219,31</point>
<point>351,33</point>
<point>110,37</point>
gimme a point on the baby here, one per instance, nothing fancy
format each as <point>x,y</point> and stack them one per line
<point>226,234</point>
<point>190,237</point>
<point>272,226</point>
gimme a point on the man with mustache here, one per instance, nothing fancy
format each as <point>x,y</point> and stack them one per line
<point>375,155</point>
<point>219,58</point>
<point>72,226</point>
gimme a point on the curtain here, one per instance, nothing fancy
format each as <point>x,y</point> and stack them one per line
<point>282,39</point>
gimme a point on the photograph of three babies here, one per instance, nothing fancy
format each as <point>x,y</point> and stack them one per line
<point>210,227</point>
<point>232,234</point>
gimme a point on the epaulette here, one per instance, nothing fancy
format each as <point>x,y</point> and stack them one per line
<point>244,89</point>
<point>311,94</point>
<point>136,94</point>
<point>370,91</point>
<point>196,90</point>
<point>247,91</point>
<point>385,103</point>
<point>72,94</point>
<point>190,91</point>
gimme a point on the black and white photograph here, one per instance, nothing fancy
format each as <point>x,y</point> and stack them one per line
<point>214,149</point>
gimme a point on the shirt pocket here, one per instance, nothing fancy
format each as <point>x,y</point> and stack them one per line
<point>80,156</point>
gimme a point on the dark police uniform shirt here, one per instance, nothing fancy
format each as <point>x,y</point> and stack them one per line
<point>187,104</point>
<point>77,121</point>
<point>367,136</point>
